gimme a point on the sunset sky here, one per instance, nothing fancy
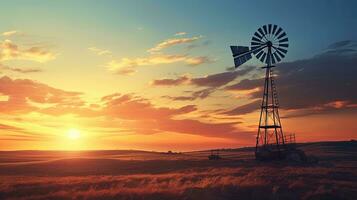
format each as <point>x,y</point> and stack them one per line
<point>156,75</point>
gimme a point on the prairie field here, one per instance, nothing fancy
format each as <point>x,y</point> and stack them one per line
<point>330,173</point>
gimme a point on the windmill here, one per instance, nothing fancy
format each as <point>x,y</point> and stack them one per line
<point>269,44</point>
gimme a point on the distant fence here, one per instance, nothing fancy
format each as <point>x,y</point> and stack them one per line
<point>289,138</point>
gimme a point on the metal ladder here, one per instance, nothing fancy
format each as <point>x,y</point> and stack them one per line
<point>275,94</point>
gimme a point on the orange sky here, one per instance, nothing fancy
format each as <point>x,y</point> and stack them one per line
<point>72,81</point>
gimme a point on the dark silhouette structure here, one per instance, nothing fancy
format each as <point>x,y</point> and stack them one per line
<point>269,44</point>
<point>214,155</point>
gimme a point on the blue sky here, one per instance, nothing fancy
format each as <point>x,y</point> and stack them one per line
<point>311,25</point>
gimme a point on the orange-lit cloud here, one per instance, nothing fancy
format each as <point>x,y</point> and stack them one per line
<point>151,119</point>
<point>22,95</point>
<point>135,113</point>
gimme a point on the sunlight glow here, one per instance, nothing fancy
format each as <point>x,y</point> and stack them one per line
<point>73,134</point>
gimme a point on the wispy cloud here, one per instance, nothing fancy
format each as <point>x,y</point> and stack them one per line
<point>10,33</point>
<point>212,80</point>
<point>184,79</point>
<point>122,67</point>
<point>180,33</point>
<point>200,94</point>
<point>20,70</point>
<point>100,52</point>
<point>172,42</point>
<point>11,51</point>
<point>129,64</point>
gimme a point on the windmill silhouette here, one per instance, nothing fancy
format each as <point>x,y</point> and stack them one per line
<point>269,44</point>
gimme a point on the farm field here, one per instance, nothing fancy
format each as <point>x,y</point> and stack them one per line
<point>189,175</point>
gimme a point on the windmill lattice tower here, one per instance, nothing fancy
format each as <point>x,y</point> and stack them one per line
<point>269,44</point>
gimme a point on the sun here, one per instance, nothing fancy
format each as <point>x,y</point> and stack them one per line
<point>73,134</point>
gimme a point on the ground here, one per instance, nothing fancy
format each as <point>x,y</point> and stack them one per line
<point>153,175</point>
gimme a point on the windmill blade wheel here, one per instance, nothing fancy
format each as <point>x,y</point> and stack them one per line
<point>275,41</point>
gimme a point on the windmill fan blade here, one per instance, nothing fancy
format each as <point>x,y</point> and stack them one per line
<point>274,29</point>
<point>269,28</point>
<point>263,57</point>
<point>276,57</point>
<point>272,59</point>
<point>258,36</point>
<point>256,44</point>
<point>259,54</point>
<point>284,45</point>
<point>261,32</point>
<point>280,54</point>
<point>282,50</point>
<point>279,30</point>
<point>284,40</point>
<point>257,40</point>
<point>282,35</point>
<point>265,29</point>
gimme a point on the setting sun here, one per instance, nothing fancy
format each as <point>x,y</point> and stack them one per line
<point>73,134</point>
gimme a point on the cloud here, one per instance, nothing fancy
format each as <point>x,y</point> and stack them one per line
<point>325,82</point>
<point>10,33</point>
<point>184,79</point>
<point>173,42</point>
<point>193,61</point>
<point>127,111</point>
<point>20,70</point>
<point>10,132</point>
<point>180,33</point>
<point>129,64</point>
<point>11,51</point>
<point>195,45</point>
<point>100,52</point>
<point>133,107</point>
<point>200,94</point>
<point>212,80</point>
<point>24,95</point>
<point>244,109</point>
<point>144,117</point>
<point>220,79</point>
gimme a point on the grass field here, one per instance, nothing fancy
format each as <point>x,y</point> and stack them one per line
<point>190,175</point>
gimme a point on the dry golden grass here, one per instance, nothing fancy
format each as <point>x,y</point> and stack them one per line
<point>334,177</point>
